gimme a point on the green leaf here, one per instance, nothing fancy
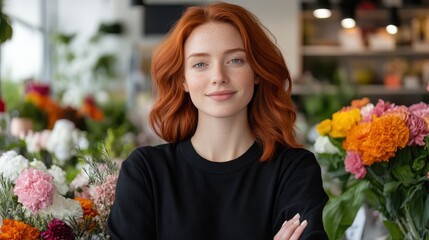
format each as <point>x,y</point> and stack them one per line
<point>6,30</point>
<point>340,212</point>
<point>394,230</point>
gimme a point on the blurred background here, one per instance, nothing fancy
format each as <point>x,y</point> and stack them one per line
<point>101,49</point>
<point>88,62</point>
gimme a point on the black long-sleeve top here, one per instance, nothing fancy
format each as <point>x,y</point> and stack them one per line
<point>170,192</point>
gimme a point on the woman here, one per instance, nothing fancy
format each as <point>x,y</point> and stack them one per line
<point>232,168</point>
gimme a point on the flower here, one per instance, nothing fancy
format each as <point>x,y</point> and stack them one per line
<point>11,164</point>
<point>60,180</point>
<point>58,230</point>
<point>64,139</point>
<point>87,206</point>
<point>2,106</point>
<point>63,208</point>
<point>35,189</point>
<point>323,145</point>
<point>381,159</point>
<point>17,230</point>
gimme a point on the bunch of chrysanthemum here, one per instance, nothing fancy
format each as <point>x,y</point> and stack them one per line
<point>33,200</point>
<point>385,147</point>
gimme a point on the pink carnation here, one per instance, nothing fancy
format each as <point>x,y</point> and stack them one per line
<point>353,164</point>
<point>104,194</point>
<point>381,107</point>
<point>35,189</point>
<point>418,130</point>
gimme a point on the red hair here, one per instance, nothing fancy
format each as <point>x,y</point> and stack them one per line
<point>271,112</point>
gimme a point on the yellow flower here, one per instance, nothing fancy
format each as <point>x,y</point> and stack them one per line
<point>324,127</point>
<point>343,121</point>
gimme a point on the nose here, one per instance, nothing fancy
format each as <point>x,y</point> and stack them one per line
<point>219,75</point>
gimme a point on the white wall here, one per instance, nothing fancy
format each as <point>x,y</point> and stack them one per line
<point>281,17</point>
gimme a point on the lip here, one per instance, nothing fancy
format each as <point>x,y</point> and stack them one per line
<point>221,95</point>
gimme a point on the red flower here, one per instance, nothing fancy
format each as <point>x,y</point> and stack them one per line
<point>2,106</point>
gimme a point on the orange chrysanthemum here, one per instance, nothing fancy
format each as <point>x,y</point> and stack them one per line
<point>359,103</point>
<point>17,230</point>
<point>387,134</point>
<point>87,206</point>
<point>343,121</point>
<point>356,136</point>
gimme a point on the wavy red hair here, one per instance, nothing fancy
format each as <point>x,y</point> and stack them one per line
<point>271,112</point>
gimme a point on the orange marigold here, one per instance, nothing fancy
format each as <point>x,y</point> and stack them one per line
<point>343,121</point>
<point>356,136</point>
<point>359,103</point>
<point>387,134</point>
<point>17,230</point>
<point>87,206</point>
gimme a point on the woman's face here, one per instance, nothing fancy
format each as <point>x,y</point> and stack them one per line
<point>218,76</point>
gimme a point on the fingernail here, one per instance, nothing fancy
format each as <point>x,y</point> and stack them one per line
<point>296,216</point>
<point>284,223</point>
<point>304,223</point>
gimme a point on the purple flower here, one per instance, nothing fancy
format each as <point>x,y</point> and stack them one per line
<point>35,189</point>
<point>58,230</point>
<point>353,164</point>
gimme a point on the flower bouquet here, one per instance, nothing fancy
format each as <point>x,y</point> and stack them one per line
<point>38,203</point>
<point>377,155</point>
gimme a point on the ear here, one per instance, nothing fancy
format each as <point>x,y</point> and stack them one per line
<point>185,86</point>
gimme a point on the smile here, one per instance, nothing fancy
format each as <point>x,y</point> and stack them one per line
<point>221,95</point>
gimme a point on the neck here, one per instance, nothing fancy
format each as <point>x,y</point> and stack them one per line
<point>222,140</point>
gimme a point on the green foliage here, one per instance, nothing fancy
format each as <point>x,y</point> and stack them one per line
<point>12,93</point>
<point>115,117</point>
<point>399,189</point>
<point>6,30</point>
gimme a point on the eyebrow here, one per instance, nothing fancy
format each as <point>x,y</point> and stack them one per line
<point>232,50</point>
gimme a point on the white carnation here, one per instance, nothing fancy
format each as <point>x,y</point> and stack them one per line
<point>60,180</point>
<point>65,139</point>
<point>12,164</point>
<point>38,165</point>
<point>324,145</point>
<point>63,208</point>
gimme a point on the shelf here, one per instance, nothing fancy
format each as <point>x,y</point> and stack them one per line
<point>362,90</point>
<point>338,51</point>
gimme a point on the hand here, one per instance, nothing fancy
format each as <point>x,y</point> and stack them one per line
<point>292,229</point>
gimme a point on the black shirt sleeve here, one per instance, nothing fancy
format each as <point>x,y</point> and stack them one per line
<point>301,191</point>
<point>132,214</point>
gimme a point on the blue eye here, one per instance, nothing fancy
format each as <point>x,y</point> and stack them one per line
<point>199,65</point>
<point>237,61</point>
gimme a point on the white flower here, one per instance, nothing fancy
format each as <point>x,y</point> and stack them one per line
<point>65,139</point>
<point>63,208</point>
<point>324,145</point>
<point>38,165</point>
<point>366,110</point>
<point>12,164</point>
<point>60,180</point>
<point>36,141</point>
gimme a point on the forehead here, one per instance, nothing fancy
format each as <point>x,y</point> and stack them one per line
<point>213,36</point>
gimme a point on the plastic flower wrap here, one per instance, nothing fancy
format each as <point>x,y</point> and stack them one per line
<point>377,155</point>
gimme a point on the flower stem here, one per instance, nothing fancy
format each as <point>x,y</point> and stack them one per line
<point>410,222</point>
<point>401,227</point>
